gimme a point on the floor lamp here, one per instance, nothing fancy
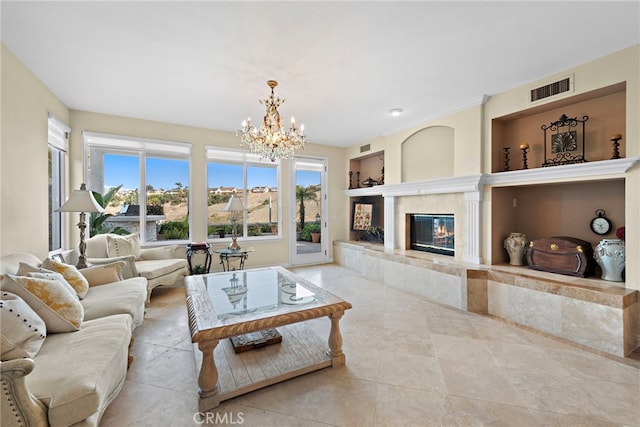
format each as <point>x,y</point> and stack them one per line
<point>81,201</point>
<point>234,206</point>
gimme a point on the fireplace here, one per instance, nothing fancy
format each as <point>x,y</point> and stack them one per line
<point>432,233</point>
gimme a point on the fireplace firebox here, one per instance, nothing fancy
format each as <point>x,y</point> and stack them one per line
<point>433,233</point>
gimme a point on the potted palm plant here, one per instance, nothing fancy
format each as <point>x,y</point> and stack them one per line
<point>97,220</point>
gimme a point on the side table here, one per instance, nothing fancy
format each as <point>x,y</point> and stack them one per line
<point>227,255</point>
<point>194,248</point>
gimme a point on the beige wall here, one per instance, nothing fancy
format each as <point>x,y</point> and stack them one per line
<point>267,252</point>
<point>467,126</point>
<point>26,102</point>
<point>428,154</point>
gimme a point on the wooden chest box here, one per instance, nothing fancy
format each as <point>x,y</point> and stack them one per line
<point>246,342</point>
<point>564,255</point>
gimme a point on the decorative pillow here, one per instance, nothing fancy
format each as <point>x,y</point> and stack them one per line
<point>128,271</point>
<point>42,273</point>
<point>71,275</point>
<point>60,310</point>
<point>123,245</point>
<point>23,331</point>
<point>103,274</point>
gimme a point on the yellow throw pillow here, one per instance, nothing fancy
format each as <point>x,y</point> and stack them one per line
<point>103,274</point>
<point>71,275</point>
<point>41,273</point>
<point>123,245</point>
<point>60,310</point>
<point>23,331</point>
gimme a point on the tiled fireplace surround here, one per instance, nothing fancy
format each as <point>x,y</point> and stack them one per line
<point>601,315</point>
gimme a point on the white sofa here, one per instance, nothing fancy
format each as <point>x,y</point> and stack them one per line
<point>164,265</point>
<point>75,375</point>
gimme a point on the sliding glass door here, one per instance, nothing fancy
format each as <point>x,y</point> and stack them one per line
<point>308,211</point>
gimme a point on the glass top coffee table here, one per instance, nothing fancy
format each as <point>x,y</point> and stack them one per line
<point>224,305</point>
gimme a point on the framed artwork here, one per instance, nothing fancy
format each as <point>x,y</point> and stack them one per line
<point>362,216</point>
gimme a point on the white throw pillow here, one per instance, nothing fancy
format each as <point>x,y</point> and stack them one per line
<point>23,331</point>
<point>123,245</point>
<point>103,274</point>
<point>60,310</point>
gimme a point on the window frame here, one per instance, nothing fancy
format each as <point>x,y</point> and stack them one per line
<point>142,148</point>
<point>245,159</point>
<point>57,148</point>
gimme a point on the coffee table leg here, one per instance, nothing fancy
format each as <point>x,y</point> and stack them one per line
<point>208,378</point>
<point>335,340</point>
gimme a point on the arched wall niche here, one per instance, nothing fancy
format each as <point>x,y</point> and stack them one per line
<point>428,154</point>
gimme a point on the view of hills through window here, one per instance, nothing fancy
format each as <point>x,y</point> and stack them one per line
<point>168,192</point>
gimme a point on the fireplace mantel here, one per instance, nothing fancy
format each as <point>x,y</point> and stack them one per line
<point>473,185</point>
<point>460,184</point>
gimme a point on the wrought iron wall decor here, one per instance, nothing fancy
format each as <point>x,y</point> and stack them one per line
<point>564,142</point>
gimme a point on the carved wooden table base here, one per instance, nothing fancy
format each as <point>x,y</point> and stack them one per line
<point>300,352</point>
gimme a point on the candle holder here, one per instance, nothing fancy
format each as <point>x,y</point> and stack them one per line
<point>615,141</point>
<point>524,148</point>
<point>350,177</point>
<point>358,179</point>
<point>506,159</point>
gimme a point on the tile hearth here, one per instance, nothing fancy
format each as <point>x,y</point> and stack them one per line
<point>409,362</point>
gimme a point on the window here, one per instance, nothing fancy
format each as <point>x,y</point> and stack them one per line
<point>118,167</point>
<point>58,140</point>
<point>253,180</point>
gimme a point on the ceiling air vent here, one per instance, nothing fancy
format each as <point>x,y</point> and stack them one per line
<point>365,147</point>
<point>552,89</point>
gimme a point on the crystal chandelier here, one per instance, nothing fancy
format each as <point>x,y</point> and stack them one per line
<point>272,140</point>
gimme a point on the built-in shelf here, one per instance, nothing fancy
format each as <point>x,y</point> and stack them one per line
<point>576,172</point>
<point>367,166</point>
<point>469,183</point>
<point>606,112</point>
<point>473,187</point>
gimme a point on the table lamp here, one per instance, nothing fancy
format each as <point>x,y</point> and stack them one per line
<point>234,206</point>
<point>81,201</point>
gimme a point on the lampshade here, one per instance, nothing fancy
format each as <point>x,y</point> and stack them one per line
<point>234,204</point>
<point>81,201</point>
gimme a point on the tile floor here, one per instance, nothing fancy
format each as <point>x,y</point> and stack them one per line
<point>409,362</point>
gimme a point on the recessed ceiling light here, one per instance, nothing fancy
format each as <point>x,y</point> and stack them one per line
<point>396,111</point>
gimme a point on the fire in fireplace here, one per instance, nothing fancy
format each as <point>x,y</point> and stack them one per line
<point>432,233</point>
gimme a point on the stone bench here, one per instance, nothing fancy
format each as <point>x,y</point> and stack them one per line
<point>598,314</point>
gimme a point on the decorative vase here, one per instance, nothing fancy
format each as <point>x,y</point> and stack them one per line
<point>516,245</point>
<point>610,256</point>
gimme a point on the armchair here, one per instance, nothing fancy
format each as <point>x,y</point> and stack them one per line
<point>160,266</point>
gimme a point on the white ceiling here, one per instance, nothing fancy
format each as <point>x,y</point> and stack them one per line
<point>341,65</point>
